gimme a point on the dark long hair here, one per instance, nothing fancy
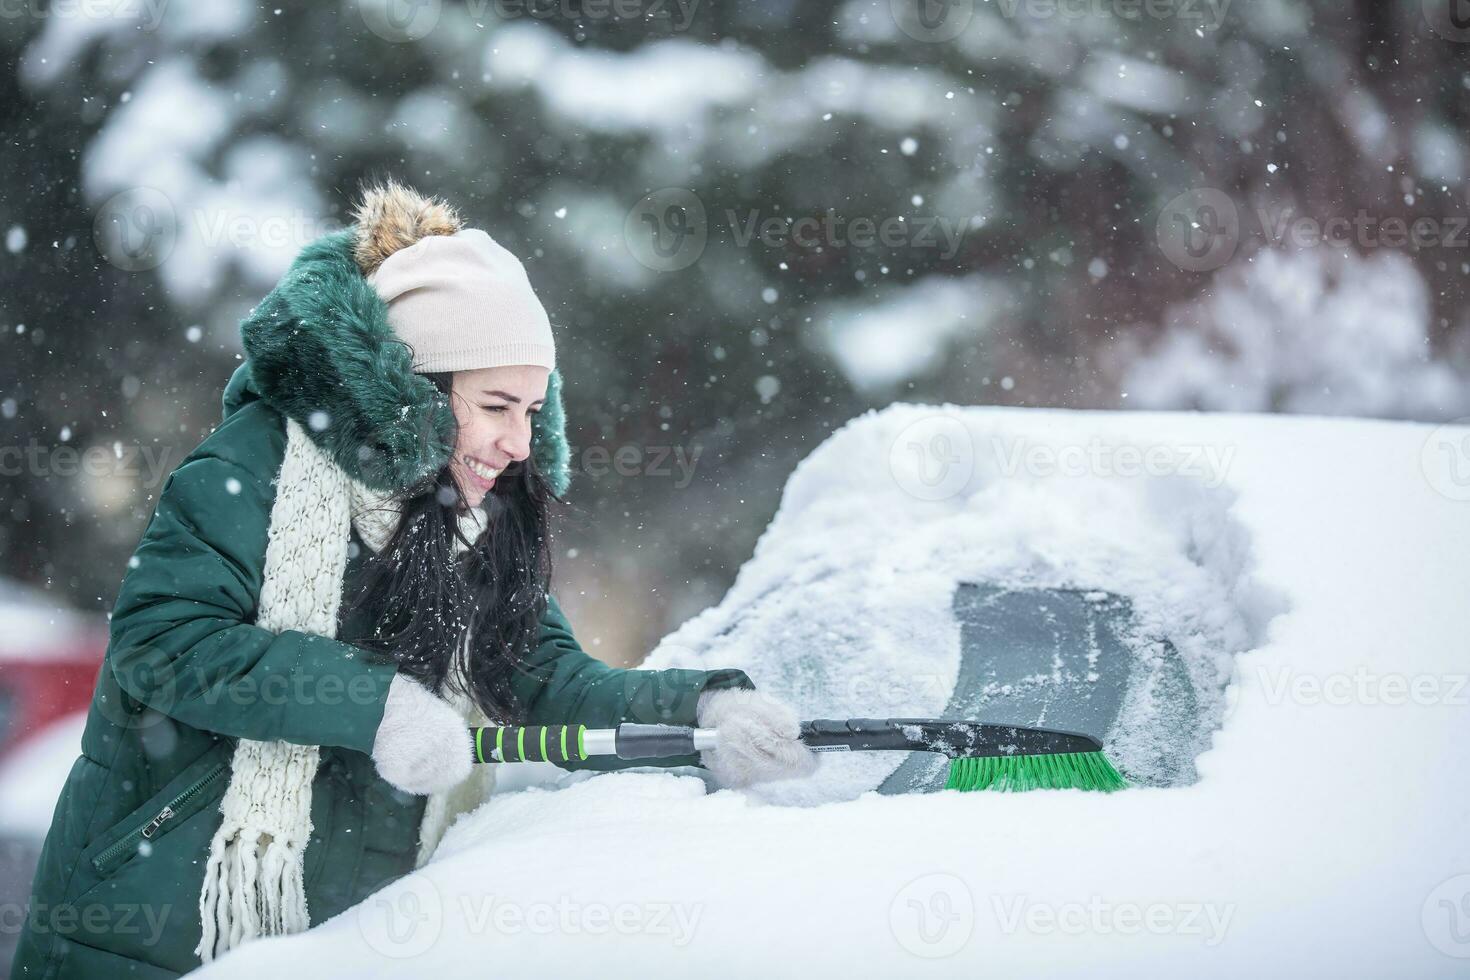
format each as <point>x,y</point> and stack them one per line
<point>419,596</point>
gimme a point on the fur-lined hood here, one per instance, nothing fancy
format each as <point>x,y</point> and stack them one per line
<point>319,349</point>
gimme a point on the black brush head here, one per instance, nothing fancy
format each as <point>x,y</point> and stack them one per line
<point>957,739</point>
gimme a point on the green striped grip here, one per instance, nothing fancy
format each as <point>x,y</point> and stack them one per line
<point>530,743</point>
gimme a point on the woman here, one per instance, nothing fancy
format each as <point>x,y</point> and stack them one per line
<point>344,576</point>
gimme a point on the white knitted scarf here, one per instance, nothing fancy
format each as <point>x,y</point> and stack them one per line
<point>254,879</point>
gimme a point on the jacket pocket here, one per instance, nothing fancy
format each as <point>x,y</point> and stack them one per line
<point>196,786</point>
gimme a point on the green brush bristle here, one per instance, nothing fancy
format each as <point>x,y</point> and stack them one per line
<point>1015,773</point>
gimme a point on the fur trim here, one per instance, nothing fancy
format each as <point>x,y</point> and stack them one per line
<point>321,351</point>
<point>392,216</point>
<point>549,438</point>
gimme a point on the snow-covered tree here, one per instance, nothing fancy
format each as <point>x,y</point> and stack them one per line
<point>1319,331</point>
<point>715,200</point>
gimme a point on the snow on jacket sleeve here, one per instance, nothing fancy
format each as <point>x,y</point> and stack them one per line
<point>563,685</point>
<point>183,639</point>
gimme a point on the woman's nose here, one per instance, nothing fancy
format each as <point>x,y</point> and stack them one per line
<point>517,442</point>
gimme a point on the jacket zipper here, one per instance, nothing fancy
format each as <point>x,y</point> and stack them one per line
<point>130,841</point>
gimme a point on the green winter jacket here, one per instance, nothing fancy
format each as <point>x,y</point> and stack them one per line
<point>187,672</point>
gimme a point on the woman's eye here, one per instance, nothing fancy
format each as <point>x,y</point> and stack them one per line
<point>493,408</point>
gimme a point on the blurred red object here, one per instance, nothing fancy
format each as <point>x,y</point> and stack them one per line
<point>49,658</point>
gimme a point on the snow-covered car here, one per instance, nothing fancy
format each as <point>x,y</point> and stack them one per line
<point>1303,813</point>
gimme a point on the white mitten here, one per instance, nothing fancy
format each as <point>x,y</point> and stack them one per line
<point>423,746</point>
<point>758,738</point>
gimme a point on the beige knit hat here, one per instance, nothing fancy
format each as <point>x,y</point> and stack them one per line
<point>454,295</point>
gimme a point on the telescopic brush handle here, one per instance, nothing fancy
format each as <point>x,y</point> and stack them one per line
<point>530,743</point>
<point>957,739</point>
<point>568,743</point>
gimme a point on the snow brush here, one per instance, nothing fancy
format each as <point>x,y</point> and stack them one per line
<point>982,756</point>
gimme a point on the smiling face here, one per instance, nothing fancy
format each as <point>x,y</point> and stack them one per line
<point>494,408</point>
